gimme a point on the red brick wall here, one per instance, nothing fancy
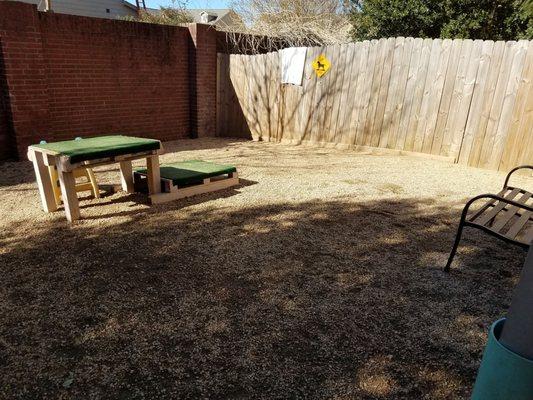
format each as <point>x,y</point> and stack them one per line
<point>71,76</point>
<point>108,76</point>
<point>24,71</point>
<point>6,150</point>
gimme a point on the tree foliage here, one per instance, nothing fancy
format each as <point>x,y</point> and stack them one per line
<point>472,19</point>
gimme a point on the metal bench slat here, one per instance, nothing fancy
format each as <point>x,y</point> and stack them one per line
<point>529,236</point>
<point>488,216</point>
<point>488,204</point>
<point>510,212</point>
<point>515,229</point>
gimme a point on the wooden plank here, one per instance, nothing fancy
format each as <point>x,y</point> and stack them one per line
<point>465,98</point>
<point>274,80</point>
<point>388,136</point>
<point>516,138</point>
<point>497,103</point>
<point>383,93</point>
<point>418,95</point>
<point>153,174</point>
<point>524,151</point>
<point>93,182</point>
<point>342,96</point>
<point>68,194</point>
<point>308,91</point>
<point>493,162</point>
<point>348,100</point>
<point>258,93</point>
<point>381,50</point>
<point>245,99</point>
<point>241,107</point>
<point>319,102</point>
<point>483,103</point>
<point>397,112</point>
<point>248,80</point>
<point>446,98</point>
<point>431,75</point>
<point>435,95</point>
<point>410,87</point>
<point>487,99</point>
<point>455,101</point>
<point>330,83</point>
<point>44,183</point>
<point>474,115</point>
<point>362,95</point>
<point>126,176</point>
<point>289,110</point>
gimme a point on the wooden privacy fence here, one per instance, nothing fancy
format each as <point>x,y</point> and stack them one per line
<point>469,101</point>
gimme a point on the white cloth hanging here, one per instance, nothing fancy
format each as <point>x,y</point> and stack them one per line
<point>292,65</point>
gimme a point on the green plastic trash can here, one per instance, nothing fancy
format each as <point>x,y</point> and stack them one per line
<point>503,374</point>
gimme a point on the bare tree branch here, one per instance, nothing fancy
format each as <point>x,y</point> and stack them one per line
<point>272,24</point>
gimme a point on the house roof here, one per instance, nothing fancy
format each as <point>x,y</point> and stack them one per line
<point>220,13</point>
<point>129,4</point>
<point>221,17</point>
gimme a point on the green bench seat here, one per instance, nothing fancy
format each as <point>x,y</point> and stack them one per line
<point>191,172</point>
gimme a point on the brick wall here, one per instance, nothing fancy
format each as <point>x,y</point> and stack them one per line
<point>69,76</point>
<point>6,149</point>
<point>108,76</point>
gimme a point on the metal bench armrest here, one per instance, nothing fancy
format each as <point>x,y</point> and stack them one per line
<point>513,171</point>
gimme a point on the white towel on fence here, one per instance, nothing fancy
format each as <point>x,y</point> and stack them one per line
<point>292,65</point>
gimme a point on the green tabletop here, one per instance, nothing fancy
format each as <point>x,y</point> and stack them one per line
<point>191,171</point>
<point>100,147</point>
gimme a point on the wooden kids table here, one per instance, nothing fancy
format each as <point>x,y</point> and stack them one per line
<point>69,155</point>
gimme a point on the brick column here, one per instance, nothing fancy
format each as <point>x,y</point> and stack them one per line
<point>203,79</point>
<point>25,94</point>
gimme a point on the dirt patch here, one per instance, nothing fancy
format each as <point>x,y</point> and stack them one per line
<point>319,277</point>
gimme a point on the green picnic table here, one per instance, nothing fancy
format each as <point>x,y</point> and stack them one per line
<point>67,156</point>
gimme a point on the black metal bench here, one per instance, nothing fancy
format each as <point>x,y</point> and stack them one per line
<point>506,215</point>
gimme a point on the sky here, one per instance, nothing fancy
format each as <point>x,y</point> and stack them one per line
<point>191,3</point>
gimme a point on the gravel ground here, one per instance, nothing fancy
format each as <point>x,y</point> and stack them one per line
<point>319,277</point>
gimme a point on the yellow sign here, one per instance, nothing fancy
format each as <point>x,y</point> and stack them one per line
<point>321,65</point>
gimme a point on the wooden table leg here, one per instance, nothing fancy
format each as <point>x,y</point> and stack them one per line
<point>154,174</point>
<point>69,195</point>
<point>126,176</point>
<point>44,182</point>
